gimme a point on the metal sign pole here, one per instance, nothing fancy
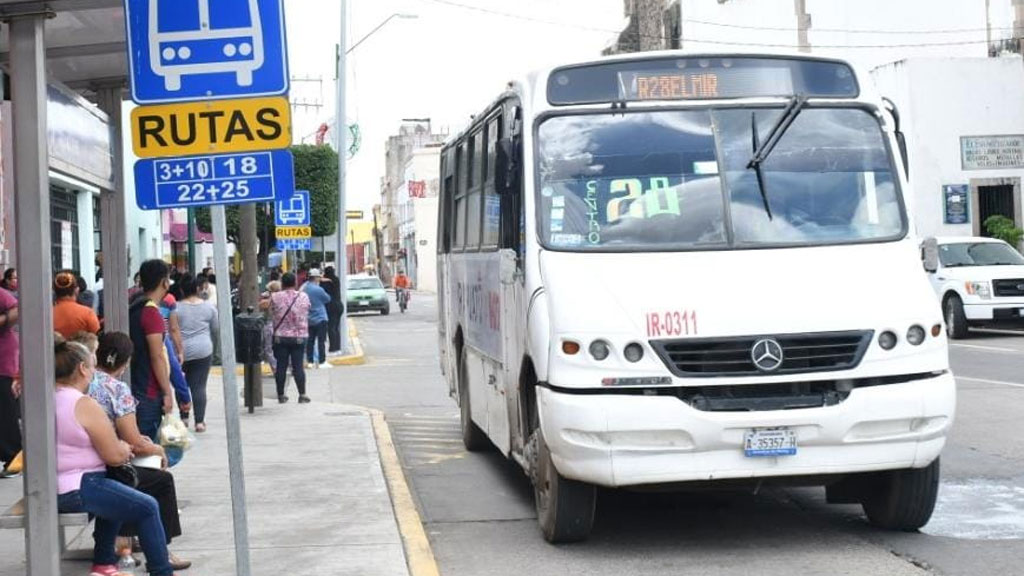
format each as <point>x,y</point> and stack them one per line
<point>234,431</point>
<point>342,128</point>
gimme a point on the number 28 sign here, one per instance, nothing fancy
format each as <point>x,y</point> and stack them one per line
<point>216,179</point>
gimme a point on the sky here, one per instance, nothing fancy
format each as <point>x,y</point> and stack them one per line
<point>448,63</point>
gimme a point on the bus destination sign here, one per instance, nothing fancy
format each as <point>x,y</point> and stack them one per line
<point>695,78</point>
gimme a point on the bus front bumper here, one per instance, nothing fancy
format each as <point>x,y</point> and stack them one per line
<point>627,440</point>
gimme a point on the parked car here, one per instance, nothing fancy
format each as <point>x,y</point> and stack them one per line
<point>366,294</point>
<point>979,281</point>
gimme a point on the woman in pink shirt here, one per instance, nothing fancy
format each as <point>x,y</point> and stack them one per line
<point>86,445</point>
<point>290,314</point>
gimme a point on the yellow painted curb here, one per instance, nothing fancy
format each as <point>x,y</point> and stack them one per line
<point>240,370</point>
<point>358,357</point>
<point>419,556</point>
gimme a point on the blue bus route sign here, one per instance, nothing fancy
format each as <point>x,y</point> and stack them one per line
<point>187,50</point>
<point>294,244</point>
<point>293,210</point>
<point>193,181</point>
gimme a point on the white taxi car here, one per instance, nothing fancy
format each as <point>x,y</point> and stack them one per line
<point>980,281</point>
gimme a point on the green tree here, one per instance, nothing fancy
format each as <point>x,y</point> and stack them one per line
<point>1004,229</point>
<point>316,170</point>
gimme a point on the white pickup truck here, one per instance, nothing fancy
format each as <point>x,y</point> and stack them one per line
<point>980,281</point>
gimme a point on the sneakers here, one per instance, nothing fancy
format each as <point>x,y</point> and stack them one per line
<point>310,365</point>
<point>282,399</point>
<point>304,399</point>
<point>325,365</point>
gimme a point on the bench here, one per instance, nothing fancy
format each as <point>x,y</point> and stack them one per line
<point>14,519</point>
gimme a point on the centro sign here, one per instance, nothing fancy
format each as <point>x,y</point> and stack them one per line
<point>211,127</point>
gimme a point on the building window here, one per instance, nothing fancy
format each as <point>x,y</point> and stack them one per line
<point>63,217</point>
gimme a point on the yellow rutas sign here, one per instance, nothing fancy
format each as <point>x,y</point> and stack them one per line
<point>212,127</point>
<point>287,232</point>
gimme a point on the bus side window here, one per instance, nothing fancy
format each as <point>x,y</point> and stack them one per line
<point>492,202</point>
<point>475,162</point>
<point>459,220</point>
<point>444,220</point>
<point>513,216</point>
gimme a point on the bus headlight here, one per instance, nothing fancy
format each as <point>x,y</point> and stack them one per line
<point>599,350</point>
<point>979,289</point>
<point>887,340</point>
<point>915,335</point>
<point>633,352</point>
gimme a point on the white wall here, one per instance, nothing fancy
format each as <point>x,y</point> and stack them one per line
<point>426,243</point>
<point>941,100</point>
<point>894,24</point>
<point>144,229</point>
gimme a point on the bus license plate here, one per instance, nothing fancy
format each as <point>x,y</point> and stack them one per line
<point>364,302</point>
<point>769,442</point>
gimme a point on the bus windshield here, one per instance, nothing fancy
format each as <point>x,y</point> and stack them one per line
<point>680,180</point>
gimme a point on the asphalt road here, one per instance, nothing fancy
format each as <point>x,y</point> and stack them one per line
<point>478,510</point>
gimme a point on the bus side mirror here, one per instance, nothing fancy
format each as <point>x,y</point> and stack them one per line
<point>503,166</point>
<point>901,139</point>
<point>930,255</point>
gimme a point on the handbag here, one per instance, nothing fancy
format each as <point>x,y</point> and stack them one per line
<point>125,474</point>
<point>273,334</point>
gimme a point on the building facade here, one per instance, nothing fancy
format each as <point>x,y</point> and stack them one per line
<point>411,174</point>
<point>652,25</point>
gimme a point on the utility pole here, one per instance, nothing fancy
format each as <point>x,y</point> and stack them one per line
<point>803,23</point>
<point>1018,24</point>
<point>341,125</point>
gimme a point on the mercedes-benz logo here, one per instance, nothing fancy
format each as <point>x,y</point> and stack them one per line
<point>767,354</point>
<point>1020,287</point>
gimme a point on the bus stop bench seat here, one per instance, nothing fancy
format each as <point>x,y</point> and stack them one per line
<point>14,519</point>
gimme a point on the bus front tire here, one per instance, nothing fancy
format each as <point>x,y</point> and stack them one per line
<point>565,508</point>
<point>473,438</point>
<point>903,500</point>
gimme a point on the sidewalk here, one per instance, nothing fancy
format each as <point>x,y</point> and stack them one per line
<point>317,499</point>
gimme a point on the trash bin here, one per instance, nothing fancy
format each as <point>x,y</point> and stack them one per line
<point>249,352</point>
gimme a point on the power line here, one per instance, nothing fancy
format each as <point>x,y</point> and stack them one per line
<point>595,29</point>
<point>847,30</point>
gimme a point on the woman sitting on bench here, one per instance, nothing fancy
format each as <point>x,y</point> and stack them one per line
<point>86,445</point>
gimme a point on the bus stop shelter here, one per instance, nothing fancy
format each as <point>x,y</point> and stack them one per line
<point>80,43</point>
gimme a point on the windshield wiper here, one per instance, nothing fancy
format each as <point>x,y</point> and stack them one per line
<point>764,149</point>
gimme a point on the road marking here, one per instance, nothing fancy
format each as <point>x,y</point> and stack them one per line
<point>418,554</point>
<point>986,381</point>
<point>988,348</point>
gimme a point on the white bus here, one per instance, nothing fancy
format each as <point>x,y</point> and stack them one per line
<point>674,270</point>
<point>205,37</point>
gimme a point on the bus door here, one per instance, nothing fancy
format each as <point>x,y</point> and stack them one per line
<point>513,304</point>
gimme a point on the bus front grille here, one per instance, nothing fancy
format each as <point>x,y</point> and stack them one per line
<point>801,353</point>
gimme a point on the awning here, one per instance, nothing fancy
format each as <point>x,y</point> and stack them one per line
<point>179,234</point>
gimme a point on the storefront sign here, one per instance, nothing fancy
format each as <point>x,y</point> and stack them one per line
<point>956,199</point>
<point>991,152</point>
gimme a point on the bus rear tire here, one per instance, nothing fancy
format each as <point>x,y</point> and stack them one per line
<point>903,500</point>
<point>565,508</point>
<point>473,438</point>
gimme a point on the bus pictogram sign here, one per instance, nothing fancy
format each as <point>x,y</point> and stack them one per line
<point>183,50</point>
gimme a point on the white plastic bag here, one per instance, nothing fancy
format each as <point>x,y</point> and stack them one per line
<point>173,433</point>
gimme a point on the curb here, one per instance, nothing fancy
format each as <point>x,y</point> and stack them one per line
<point>419,556</point>
<point>358,357</point>
<point>355,359</point>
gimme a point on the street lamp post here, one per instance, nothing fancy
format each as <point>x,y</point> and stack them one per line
<point>341,125</point>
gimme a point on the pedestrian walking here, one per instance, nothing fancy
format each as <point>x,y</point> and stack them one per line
<point>10,409</point>
<point>332,284</point>
<point>197,320</point>
<point>70,317</point>
<point>175,350</point>
<point>150,366</point>
<point>290,312</point>
<point>318,300</point>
